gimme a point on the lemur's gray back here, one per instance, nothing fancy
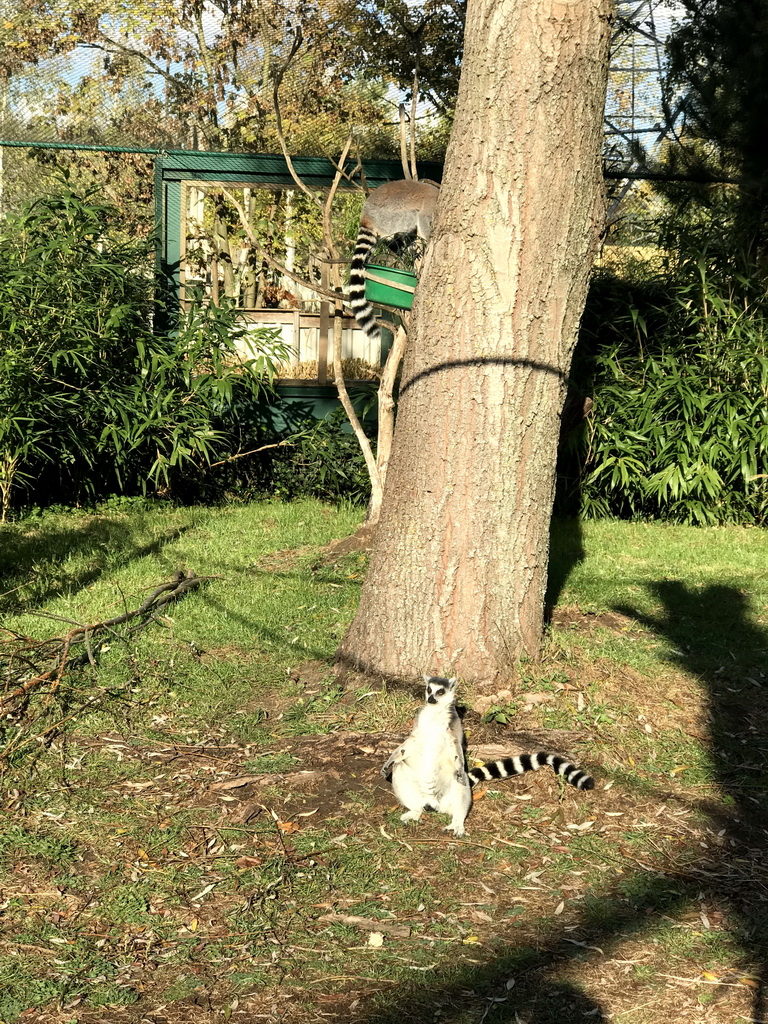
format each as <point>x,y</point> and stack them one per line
<point>396,208</point>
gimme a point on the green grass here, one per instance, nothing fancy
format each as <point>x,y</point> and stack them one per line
<point>165,888</point>
<point>621,559</point>
<point>677,588</point>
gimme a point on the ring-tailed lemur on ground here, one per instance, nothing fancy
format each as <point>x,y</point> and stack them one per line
<point>428,772</point>
<point>396,208</point>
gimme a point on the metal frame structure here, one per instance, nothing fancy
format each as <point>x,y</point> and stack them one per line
<point>176,171</point>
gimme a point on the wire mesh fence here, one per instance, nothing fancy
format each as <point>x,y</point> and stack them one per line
<point>95,95</point>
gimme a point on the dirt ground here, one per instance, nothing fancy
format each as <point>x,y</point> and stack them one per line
<point>580,882</point>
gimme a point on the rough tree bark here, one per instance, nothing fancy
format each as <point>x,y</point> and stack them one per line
<point>458,572</point>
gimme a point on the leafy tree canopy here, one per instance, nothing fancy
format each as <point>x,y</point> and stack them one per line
<point>201,74</point>
<point>718,73</point>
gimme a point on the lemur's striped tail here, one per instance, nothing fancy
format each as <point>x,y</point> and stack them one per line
<point>361,307</point>
<point>509,766</point>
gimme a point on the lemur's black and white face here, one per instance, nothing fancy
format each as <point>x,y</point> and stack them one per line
<point>440,690</point>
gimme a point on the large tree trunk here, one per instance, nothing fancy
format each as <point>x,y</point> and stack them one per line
<point>458,574</point>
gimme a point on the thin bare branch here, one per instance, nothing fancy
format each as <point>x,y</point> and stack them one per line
<point>256,244</point>
<point>349,409</point>
<point>357,170</point>
<point>414,103</point>
<point>386,410</point>
<point>59,648</point>
<point>328,205</point>
<point>253,451</point>
<point>297,41</point>
<point>404,143</point>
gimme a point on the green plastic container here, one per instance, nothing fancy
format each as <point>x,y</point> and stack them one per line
<point>396,288</point>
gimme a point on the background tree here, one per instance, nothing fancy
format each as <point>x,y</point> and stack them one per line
<point>672,358</point>
<point>193,74</point>
<point>718,70</point>
<point>393,41</point>
<point>458,572</point>
<point>179,75</point>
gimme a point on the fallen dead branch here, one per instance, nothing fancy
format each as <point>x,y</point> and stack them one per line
<point>32,668</point>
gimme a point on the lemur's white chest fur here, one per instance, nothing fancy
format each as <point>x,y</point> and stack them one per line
<point>428,772</point>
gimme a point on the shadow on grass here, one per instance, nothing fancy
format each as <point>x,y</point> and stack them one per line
<point>283,647</point>
<point>37,567</point>
<point>715,640</point>
<point>566,550</point>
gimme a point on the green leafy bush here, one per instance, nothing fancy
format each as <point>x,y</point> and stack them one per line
<point>315,458</point>
<point>324,461</point>
<point>92,399</point>
<point>678,372</point>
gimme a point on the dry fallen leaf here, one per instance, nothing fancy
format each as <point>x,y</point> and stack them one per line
<point>537,698</point>
<point>247,862</point>
<point>242,780</point>
<point>203,892</point>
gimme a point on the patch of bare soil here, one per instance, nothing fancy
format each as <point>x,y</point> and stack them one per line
<point>361,540</point>
<point>312,675</point>
<point>282,560</point>
<point>524,736</point>
<point>332,772</point>
<point>575,617</point>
